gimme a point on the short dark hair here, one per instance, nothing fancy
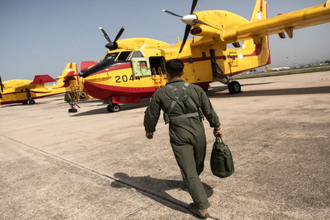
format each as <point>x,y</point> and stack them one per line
<point>174,67</point>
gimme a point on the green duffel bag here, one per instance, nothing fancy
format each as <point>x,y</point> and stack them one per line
<point>222,163</point>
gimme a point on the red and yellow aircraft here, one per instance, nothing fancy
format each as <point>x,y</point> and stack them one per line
<point>25,91</point>
<point>134,68</point>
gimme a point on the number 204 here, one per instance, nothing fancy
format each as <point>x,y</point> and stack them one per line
<point>125,78</point>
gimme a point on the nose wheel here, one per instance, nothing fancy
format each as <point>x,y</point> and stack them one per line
<point>113,108</point>
<point>74,106</point>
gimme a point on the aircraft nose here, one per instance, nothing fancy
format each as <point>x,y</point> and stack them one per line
<point>189,19</point>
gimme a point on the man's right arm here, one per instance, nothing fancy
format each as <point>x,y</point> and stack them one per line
<point>152,114</point>
<point>208,111</point>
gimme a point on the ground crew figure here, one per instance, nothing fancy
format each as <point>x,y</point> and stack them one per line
<point>184,106</point>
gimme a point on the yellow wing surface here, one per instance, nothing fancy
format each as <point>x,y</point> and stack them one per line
<point>289,22</point>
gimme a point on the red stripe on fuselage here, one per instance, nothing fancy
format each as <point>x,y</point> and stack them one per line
<point>103,92</point>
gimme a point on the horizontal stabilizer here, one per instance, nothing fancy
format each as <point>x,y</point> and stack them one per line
<point>38,79</point>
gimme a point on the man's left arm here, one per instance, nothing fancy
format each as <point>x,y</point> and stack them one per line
<point>151,116</point>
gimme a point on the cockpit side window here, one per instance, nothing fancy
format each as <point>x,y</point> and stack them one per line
<point>111,56</point>
<point>124,56</point>
<point>136,54</point>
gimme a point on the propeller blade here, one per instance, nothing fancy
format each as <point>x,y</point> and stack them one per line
<point>171,13</point>
<point>201,22</point>
<point>1,85</point>
<point>193,6</point>
<point>186,33</point>
<point>119,33</point>
<point>105,34</point>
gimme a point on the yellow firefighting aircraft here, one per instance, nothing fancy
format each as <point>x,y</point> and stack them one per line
<point>25,91</point>
<point>277,68</point>
<point>134,68</point>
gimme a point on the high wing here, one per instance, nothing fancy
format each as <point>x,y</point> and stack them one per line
<point>289,22</point>
<point>37,84</point>
<point>140,43</point>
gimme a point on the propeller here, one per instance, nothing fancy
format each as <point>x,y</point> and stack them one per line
<point>112,45</point>
<point>189,20</point>
<point>1,85</point>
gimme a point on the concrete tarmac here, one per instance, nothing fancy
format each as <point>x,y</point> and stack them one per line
<point>99,165</point>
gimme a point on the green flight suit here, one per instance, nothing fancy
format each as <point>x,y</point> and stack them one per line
<point>187,134</point>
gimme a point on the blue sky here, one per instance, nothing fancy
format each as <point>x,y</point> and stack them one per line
<point>42,36</point>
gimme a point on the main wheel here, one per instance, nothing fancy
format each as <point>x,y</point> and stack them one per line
<point>31,102</point>
<point>115,108</point>
<point>234,87</point>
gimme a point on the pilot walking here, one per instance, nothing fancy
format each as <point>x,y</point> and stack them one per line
<point>184,106</point>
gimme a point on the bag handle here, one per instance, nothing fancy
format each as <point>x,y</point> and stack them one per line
<point>219,139</point>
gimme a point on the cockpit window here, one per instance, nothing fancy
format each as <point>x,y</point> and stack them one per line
<point>136,54</point>
<point>124,56</point>
<point>111,56</point>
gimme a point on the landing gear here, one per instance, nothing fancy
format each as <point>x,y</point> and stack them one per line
<point>30,100</point>
<point>73,105</point>
<point>113,108</point>
<point>234,87</point>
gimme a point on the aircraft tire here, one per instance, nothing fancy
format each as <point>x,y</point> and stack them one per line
<point>72,110</point>
<point>115,108</point>
<point>31,102</point>
<point>234,87</point>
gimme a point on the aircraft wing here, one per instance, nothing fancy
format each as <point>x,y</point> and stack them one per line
<point>41,90</point>
<point>289,22</point>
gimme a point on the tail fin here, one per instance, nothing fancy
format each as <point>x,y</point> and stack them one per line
<point>259,13</point>
<point>259,44</point>
<point>69,73</point>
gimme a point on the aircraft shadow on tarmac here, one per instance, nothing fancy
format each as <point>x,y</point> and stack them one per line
<point>144,102</point>
<point>156,189</point>
<point>213,92</point>
<point>125,107</point>
<point>274,92</point>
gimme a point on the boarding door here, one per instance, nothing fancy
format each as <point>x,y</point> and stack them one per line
<point>157,65</point>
